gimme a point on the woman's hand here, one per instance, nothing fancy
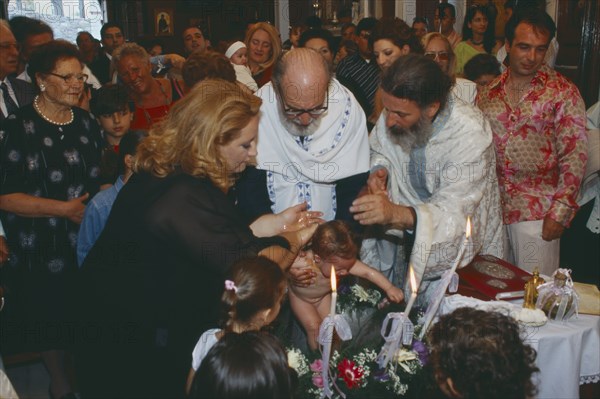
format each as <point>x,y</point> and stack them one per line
<point>301,273</point>
<point>74,209</point>
<point>292,219</point>
<point>298,217</point>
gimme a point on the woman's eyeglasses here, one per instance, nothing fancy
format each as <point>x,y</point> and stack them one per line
<point>72,77</point>
<point>440,55</point>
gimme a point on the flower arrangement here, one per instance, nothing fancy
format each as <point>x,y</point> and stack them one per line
<point>356,297</point>
<point>358,374</point>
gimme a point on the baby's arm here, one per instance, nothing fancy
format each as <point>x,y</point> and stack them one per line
<point>365,271</point>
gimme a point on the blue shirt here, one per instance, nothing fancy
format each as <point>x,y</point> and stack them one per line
<point>94,218</point>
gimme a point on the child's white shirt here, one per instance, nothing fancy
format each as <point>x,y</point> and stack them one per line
<point>206,341</point>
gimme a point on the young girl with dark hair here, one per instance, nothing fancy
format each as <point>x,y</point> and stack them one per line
<point>251,300</point>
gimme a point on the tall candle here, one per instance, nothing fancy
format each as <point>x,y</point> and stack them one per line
<point>333,291</point>
<point>413,291</point>
<point>329,336</point>
<point>439,294</point>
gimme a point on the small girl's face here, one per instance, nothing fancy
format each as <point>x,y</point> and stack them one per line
<point>240,57</point>
<point>276,308</point>
<point>341,265</point>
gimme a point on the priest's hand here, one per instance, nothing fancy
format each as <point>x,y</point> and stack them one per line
<point>551,230</point>
<point>378,209</point>
<point>377,181</point>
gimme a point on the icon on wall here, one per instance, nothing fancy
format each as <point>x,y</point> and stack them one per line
<point>163,22</point>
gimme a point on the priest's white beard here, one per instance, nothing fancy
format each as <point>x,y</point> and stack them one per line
<point>412,137</point>
<point>298,130</point>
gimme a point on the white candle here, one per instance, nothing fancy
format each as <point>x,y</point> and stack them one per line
<point>329,336</point>
<point>433,307</point>
<point>333,291</point>
<point>413,291</point>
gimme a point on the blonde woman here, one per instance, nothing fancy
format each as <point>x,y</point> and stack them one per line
<point>169,242</point>
<point>264,49</point>
<point>438,48</point>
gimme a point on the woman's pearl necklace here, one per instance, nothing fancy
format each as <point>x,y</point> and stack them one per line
<point>36,105</point>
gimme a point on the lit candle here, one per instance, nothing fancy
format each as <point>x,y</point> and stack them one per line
<point>413,291</point>
<point>333,291</point>
<point>329,335</point>
<point>440,292</point>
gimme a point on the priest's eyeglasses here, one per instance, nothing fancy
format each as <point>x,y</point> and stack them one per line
<point>295,112</point>
<point>72,78</point>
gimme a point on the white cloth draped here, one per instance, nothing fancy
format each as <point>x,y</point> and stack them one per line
<point>452,177</point>
<point>307,171</point>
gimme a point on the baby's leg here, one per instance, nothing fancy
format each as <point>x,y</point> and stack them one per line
<point>308,316</point>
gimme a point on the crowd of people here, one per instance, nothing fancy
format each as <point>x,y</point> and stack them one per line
<point>151,223</point>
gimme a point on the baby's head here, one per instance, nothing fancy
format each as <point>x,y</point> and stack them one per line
<point>334,244</point>
<point>237,53</point>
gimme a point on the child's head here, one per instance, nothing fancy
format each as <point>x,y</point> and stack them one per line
<point>127,149</point>
<point>110,105</point>
<point>482,69</point>
<point>237,53</point>
<point>489,346</point>
<point>248,365</point>
<point>253,294</point>
<point>334,244</point>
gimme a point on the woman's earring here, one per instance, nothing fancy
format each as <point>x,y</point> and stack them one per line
<point>42,87</point>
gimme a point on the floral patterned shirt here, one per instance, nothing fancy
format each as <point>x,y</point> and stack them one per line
<point>541,146</point>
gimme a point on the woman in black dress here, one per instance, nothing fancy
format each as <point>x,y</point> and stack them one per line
<point>153,280</point>
<point>50,154</point>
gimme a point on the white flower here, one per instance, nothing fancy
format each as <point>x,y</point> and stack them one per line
<point>297,361</point>
<point>360,293</point>
<point>403,356</point>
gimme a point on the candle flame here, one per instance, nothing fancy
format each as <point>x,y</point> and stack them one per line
<point>413,280</point>
<point>468,232</point>
<point>333,280</point>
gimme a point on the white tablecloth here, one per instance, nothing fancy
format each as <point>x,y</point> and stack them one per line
<point>568,353</point>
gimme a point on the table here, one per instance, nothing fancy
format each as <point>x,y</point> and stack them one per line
<point>568,355</point>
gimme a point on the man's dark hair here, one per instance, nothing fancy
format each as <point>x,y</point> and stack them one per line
<point>366,24</point>
<point>83,33</point>
<point>417,78</point>
<point>489,346</point>
<point>109,99</point>
<point>509,5</point>
<point>540,21</point>
<point>107,26</point>
<point>481,64</point>
<point>317,34</point>
<point>23,27</point>
<point>444,6</point>
<point>420,20</point>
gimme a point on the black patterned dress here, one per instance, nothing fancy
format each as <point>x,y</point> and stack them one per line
<point>45,160</point>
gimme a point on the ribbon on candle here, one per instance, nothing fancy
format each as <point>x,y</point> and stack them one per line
<point>329,324</point>
<point>448,281</point>
<point>401,330</point>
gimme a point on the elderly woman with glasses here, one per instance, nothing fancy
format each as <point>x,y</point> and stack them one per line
<point>50,166</point>
<point>438,48</point>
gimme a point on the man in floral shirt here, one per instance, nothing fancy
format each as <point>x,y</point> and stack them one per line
<point>538,121</point>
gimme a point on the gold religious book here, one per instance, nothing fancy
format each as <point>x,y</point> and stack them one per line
<point>490,278</point>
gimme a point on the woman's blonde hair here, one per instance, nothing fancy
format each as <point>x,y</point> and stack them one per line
<point>129,49</point>
<point>451,56</point>
<point>275,41</point>
<point>212,114</point>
